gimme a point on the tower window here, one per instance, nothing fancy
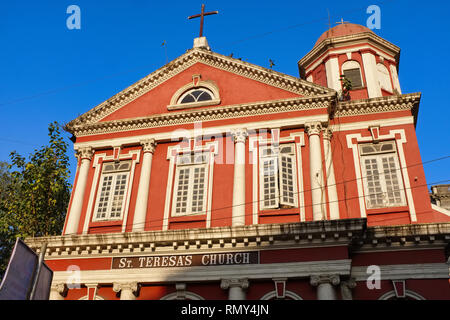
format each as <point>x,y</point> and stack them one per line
<point>384,79</point>
<point>352,72</point>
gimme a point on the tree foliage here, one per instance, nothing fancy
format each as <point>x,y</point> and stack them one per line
<point>34,194</point>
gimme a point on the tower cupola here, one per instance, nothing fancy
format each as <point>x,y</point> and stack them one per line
<point>354,52</point>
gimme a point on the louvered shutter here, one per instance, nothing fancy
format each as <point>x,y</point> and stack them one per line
<point>391,175</point>
<point>354,75</point>
<point>287,174</point>
<point>181,191</point>
<point>374,190</point>
<point>269,183</point>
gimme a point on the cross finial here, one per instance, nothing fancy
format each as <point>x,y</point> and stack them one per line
<point>202,15</point>
<point>342,21</point>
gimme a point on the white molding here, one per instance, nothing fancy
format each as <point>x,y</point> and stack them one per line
<point>366,124</point>
<point>357,165</point>
<point>192,133</point>
<point>203,274</point>
<point>93,199</point>
<point>404,271</point>
<point>288,294</point>
<point>255,144</point>
<point>408,293</point>
<point>440,209</point>
<point>212,148</point>
<point>187,296</point>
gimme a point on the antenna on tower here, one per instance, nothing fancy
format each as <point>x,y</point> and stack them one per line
<point>329,19</point>
<point>165,50</point>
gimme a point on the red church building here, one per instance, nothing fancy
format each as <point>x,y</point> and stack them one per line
<point>214,178</point>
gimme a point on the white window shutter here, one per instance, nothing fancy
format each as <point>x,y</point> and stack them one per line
<point>287,175</point>
<point>105,193</point>
<point>190,190</point>
<point>269,183</point>
<point>181,191</point>
<point>198,196</point>
<point>118,195</point>
<point>391,176</point>
<point>373,184</point>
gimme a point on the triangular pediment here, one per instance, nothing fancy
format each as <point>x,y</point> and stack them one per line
<point>238,82</point>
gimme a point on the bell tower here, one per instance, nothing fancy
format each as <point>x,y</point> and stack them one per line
<point>354,53</point>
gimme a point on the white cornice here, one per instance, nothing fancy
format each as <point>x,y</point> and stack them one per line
<point>205,114</point>
<point>376,105</point>
<point>313,233</point>
<point>404,271</point>
<point>216,273</point>
<point>183,62</point>
<point>336,42</point>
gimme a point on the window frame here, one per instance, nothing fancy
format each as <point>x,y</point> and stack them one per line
<point>115,173</point>
<point>192,165</point>
<point>378,156</point>
<point>277,156</point>
<point>352,65</point>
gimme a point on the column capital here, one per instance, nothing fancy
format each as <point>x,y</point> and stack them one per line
<point>234,283</point>
<point>60,288</point>
<point>329,278</point>
<point>327,134</point>
<point>85,153</point>
<point>313,128</point>
<point>123,286</point>
<point>346,289</point>
<point>239,135</point>
<point>148,145</point>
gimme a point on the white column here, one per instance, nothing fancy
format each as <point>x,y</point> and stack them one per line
<point>346,289</point>
<point>236,288</point>
<point>238,210</point>
<point>395,80</point>
<point>325,286</point>
<point>329,169</point>
<point>333,74</point>
<point>128,290</point>
<point>148,147</point>
<point>85,156</point>
<point>315,169</point>
<point>58,291</point>
<point>371,73</point>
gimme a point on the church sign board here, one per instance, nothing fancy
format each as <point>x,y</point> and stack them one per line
<point>186,260</point>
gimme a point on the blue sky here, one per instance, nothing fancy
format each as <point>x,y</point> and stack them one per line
<point>49,72</point>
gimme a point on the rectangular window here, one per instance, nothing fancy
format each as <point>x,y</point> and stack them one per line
<point>112,191</point>
<point>278,176</point>
<point>382,175</point>
<point>190,185</point>
<point>354,75</point>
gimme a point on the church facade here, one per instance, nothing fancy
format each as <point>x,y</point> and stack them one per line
<point>213,178</point>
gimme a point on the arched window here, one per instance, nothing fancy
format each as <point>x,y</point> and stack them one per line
<point>409,295</point>
<point>384,79</point>
<point>196,95</point>
<point>352,71</point>
<point>289,295</point>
